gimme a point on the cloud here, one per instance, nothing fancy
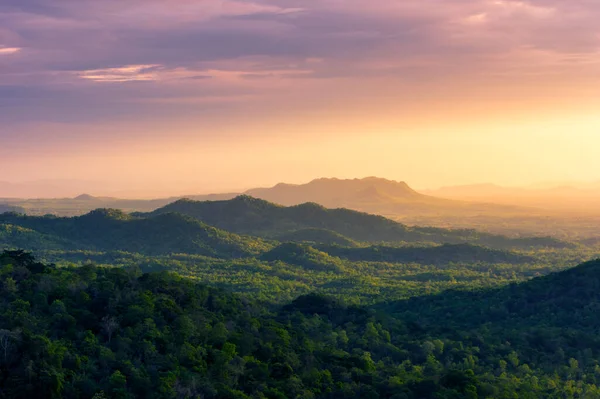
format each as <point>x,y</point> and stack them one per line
<point>129,73</point>
<point>9,50</point>
<point>88,51</point>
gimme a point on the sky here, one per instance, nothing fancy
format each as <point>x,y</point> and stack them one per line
<point>174,96</point>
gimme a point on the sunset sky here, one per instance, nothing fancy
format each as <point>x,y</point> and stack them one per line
<point>181,95</point>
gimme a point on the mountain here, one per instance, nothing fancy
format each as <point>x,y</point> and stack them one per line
<point>559,198</point>
<point>375,195</point>
<point>113,230</point>
<point>85,197</point>
<point>248,215</point>
<point>372,194</point>
<point>563,212</point>
<point>340,193</point>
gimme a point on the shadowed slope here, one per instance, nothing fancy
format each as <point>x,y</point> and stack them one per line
<point>247,215</point>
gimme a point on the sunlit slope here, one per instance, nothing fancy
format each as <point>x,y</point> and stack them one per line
<point>106,229</point>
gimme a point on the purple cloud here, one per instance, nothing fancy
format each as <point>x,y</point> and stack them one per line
<point>121,58</point>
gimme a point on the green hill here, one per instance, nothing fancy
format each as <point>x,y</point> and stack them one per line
<point>113,230</point>
<point>317,236</point>
<point>247,215</point>
<point>548,319</point>
<point>16,237</point>
<point>438,255</point>
<point>304,256</point>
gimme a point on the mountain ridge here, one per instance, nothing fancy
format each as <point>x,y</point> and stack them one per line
<point>247,215</point>
<point>111,229</point>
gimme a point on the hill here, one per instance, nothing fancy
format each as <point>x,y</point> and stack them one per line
<point>304,256</point>
<point>317,236</point>
<point>6,208</point>
<point>248,215</point>
<point>548,319</point>
<point>438,255</point>
<point>111,230</point>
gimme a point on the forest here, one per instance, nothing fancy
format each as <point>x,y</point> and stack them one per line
<point>243,298</point>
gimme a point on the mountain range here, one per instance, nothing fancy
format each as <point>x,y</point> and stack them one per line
<point>113,230</point>
<point>372,194</point>
<point>248,215</point>
<point>566,198</point>
<point>561,212</point>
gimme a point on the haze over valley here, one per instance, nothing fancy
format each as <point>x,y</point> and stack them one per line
<point>570,212</point>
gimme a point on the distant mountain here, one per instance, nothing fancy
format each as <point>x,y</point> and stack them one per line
<point>392,199</point>
<point>564,198</point>
<point>345,193</point>
<point>372,195</point>
<point>113,230</point>
<point>85,203</point>
<point>85,197</point>
<point>562,212</point>
<point>50,188</point>
<point>248,215</point>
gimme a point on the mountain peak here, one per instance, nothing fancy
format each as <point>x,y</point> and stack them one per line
<point>251,201</point>
<point>84,197</point>
<point>335,193</point>
<point>104,213</point>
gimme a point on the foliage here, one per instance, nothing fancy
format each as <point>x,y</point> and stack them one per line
<point>436,255</point>
<point>109,229</point>
<point>115,332</point>
<point>317,236</point>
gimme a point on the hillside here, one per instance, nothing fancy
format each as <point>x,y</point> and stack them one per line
<point>538,316</point>
<point>247,215</point>
<point>317,236</point>
<point>557,299</point>
<point>112,230</point>
<point>303,256</point>
<point>438,255</point>
<point>115,332</point>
